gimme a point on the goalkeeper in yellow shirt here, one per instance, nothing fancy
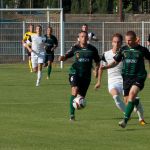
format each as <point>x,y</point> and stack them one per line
<point>25,39</point>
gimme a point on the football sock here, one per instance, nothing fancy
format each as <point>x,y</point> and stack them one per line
<point>128,111</point>
<point>72,109</point>
<point>49,71</point>
<point>119,103</point>
<point>39,76</point>
<point>139,108</point>
<point>30,65</point>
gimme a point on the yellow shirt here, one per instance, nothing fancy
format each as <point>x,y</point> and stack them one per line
<point>27,35</point>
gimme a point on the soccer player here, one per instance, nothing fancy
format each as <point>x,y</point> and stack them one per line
<point>25,38</point>
<point>115,81</point>
<point>80,71</point>
<point>134,73</point>
<point>37,50</point>
<point>91,35</point>
<point>51,44</point>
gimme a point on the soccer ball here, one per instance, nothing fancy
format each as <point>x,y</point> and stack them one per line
<point>79,102</point>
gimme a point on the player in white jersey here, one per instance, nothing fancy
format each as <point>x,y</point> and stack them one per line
<point>91,35</point>
<point>37,52</point>
<point>115,81</point>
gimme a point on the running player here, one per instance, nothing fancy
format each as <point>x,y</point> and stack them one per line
<point>51,44</point>
<point>25,38</point>
<point>134,73</point>
<point>115,81</point>
<point>37,50</point>
<point>80,71</point>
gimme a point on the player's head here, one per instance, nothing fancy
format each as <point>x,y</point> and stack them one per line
<point>38,29</point>
<point>31,27</point>
<point>84,27</point>
<point>49,30</point>
<point>130,38</point>
<point>83,37</point>
<point>117,40</point>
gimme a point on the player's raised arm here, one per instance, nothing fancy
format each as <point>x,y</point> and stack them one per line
<point>69,54</point>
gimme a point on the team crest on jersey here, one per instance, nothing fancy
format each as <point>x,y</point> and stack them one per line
<point>77,55</point>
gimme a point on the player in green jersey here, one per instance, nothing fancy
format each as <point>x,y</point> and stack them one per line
<point>80,71</point>
<point>134,73</point>
<point>51,45</point>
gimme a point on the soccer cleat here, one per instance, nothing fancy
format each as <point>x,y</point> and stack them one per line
<point>72,118</point>
<point>37,84</point>
<point>47,78</point>
<point>142,122</point>
<point>122,124</point>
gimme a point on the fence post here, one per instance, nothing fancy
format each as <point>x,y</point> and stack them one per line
<point>103,37</point>
<point>142,33</point>
<point>23,49</point>
<point>61,37</point>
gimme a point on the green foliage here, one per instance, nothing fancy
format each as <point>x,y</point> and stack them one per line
<point>75,7</point>
<point>84,6</point>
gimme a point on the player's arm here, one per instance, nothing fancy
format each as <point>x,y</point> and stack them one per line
<point>100,73</point>
<point>117,58</point>
<point>148,41</point>
<point>69,54</point>
<point>97,62</point>
<point>29,42</point>
<point>55,44</point>
<point>24,40</point>
<point>147,56</point>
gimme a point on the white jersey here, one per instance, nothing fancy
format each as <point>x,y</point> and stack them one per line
<point>38,43</point>
<point>114,74</point>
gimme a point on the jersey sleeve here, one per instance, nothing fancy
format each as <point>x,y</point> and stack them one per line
<point>146,53</point>
<point>55,41</point>
<point>96,56</point>
<point>148,38</point>
<point>103,58</point>
<point>25,37</point>
<point>118,57</point>
<point>70,52</point>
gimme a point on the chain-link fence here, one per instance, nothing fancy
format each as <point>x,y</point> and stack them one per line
<point>11,34</point>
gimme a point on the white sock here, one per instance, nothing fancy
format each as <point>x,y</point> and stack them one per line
<point>119,103</point>
<point>39,76</point>
<point>140,111</point>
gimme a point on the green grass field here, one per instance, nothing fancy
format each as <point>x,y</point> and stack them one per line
<point>37,118</point>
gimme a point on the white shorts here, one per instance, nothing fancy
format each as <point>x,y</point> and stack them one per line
<point>117,86</point>
<point>37,58</point>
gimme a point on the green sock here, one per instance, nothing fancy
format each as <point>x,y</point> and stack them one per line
<point>72,109</point>
<point>49,70</point>
<point>128,111</point>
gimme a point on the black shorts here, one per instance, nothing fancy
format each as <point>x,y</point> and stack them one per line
<point>128,82</point>
<point>80,82</point>
<point>49,57</point>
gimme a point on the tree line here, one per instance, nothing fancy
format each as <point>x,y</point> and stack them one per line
<point>83,6</point>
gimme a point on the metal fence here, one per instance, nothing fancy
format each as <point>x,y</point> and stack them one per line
<point>11,34</point>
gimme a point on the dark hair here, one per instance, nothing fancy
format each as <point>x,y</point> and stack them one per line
<point>118,35</point>
<point>131,33</point>
<point>84,25</point>
<point>39,26</point>
<point>83,32</point>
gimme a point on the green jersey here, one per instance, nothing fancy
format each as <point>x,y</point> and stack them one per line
<point>50,42</point>
<point>83,58</point>
<point>133,61</point>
